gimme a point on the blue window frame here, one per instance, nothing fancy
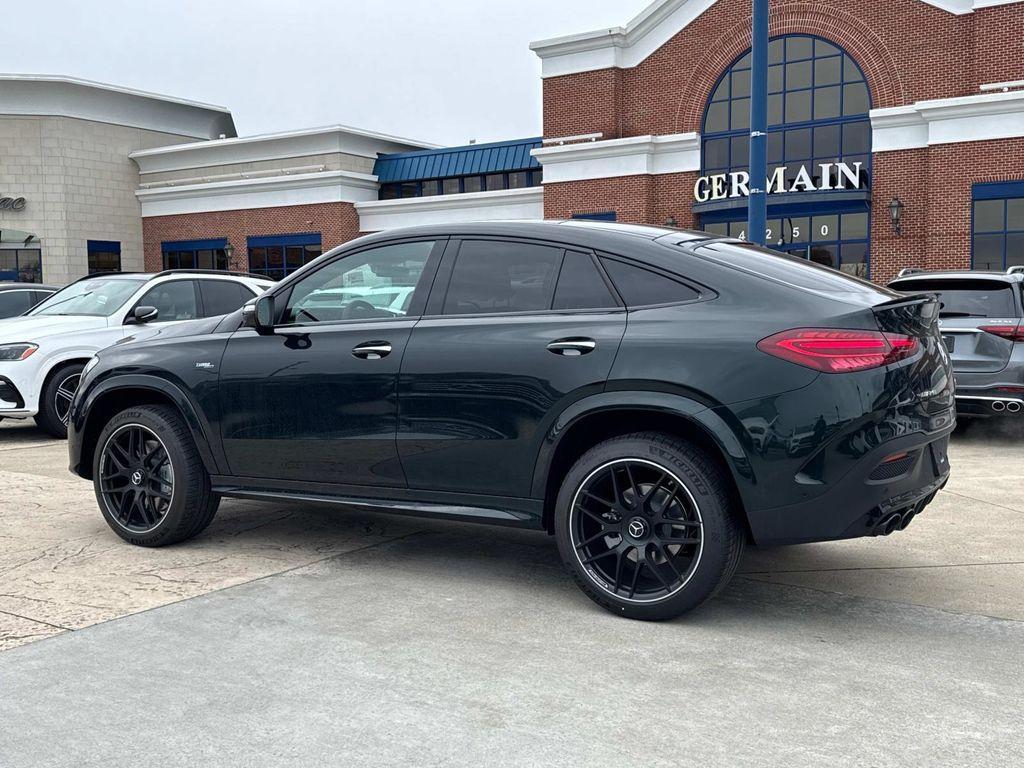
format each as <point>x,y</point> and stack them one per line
<point>597,216</point>
<point>818,106</point>
<point>278,255</point>
<point>456,185</point>
<point>104,256</point>
<point>997,225</point>
<point>196,254</point>
<point>21,265</point>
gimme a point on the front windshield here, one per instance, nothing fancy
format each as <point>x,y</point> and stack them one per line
<point>98,297</point>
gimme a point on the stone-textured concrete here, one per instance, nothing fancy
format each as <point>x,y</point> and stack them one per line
<point>299,636</point>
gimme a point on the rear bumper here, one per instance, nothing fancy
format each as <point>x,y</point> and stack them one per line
<point>865,497</point>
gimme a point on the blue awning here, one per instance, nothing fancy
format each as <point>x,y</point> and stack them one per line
<point>497,157</point>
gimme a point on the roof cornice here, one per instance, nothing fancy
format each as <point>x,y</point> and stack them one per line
<point>655,25</point>
<point>62,96</point>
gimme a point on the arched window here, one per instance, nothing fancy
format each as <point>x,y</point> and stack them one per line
<point>818,103</point>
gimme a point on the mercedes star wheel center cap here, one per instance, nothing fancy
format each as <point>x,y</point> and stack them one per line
<point>637,528</point>
<point>137,477</point>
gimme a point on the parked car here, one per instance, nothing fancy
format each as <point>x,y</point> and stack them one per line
<point>981,317</point>
<point>18,298</point>
<point>43,352</point>
<point>611,384</point>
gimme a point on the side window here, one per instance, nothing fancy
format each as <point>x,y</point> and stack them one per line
<point>495,276</point>
<point>175,300</point>
<point>377,284</point>
<point>221,297</point>
<point>640,287</point>
<point>580,285</point>
<point>13,303</point>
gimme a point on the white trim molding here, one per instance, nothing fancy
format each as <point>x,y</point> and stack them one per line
<point>983,117</point>
<point>497,205</point>
<point>655,25</point>
<point>632,156</point>
<point>272,146</point>
<point>62,96</point>
<point>264,192</point>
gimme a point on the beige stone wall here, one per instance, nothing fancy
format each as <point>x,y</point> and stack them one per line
<point>79,184</point>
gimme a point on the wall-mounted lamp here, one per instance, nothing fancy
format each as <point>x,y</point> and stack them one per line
<point>671,222</point>
<point>229,251</point>
<point>896,208</point>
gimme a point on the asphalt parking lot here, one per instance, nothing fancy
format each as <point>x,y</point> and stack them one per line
<point>296,635</point>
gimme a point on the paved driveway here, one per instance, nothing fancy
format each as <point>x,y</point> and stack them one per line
<point>298,635</point>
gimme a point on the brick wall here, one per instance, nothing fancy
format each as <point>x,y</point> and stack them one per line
<point>336,222</point>
<point>909,51</point>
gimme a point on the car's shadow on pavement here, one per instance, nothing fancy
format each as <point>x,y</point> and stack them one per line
<point>22,433</point>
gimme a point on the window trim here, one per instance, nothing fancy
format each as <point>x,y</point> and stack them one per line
<point>703,292</point>
<point>1002,191</point>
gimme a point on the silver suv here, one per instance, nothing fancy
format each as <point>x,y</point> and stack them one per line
<point>982,323</point>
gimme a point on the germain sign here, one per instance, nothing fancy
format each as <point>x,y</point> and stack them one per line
<point>12,203</point>
<point>833,176</point>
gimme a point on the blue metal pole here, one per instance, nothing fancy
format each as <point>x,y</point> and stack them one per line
<point>757,203</point>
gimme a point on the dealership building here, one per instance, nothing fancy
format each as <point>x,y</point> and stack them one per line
<point>896,139</point>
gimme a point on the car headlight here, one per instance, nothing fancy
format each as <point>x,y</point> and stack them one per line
<point>93,362</point>
<point>13,352</point>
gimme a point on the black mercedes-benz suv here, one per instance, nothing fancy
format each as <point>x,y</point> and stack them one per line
<point>654,398</point>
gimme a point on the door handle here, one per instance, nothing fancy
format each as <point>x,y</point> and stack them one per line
<point>372,350</point>
<point>572,347</point>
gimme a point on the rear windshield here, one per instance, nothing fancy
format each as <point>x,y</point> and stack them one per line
<point>966,298</point>
<point>784,268</point>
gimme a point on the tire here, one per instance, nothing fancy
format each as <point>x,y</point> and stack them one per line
<point>671,510</point>
<point>179,509</point>
<point>55,400</point>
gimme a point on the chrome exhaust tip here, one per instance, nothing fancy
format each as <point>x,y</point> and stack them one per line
<point>1013,406</point>
<point>998,406</point>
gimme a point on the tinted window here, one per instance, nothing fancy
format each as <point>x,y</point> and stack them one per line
<point>966,298</point>
<point>580,285</point>
<point>175,300</point>
<point>374,284</point>
<point>13,303</point>
<point>222,296</point>
<point>492,276</point>
<point>641,287</point>
<point>791,270</point>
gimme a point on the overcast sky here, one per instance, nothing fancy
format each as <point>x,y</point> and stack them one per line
<point>444,71</point>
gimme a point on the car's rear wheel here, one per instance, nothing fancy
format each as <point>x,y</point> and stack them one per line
<point>646,526</point>
<point>149,479</point>
<point>55,403</point>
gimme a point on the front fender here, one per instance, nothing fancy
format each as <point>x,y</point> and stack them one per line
<point>694,411</point>
<point>86,401</point>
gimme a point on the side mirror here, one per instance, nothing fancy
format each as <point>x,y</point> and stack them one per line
<point>143,315</point>
<point>259,315</point>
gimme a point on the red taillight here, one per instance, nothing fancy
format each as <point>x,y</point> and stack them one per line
<point>1011,332</point>
<point>839,351</point>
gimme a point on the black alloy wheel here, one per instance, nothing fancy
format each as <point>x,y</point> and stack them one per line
<point>636,529</point>
<point>136,478</point>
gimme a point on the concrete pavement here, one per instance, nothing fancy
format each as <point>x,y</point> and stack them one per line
<point>298,635</point>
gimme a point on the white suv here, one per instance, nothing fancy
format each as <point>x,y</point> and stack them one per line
<point>43,352</point>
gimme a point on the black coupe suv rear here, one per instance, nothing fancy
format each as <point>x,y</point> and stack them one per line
<point>654,398</point>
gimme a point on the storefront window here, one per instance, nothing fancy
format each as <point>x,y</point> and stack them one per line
<point>276,256</point>
<point>21,265</point>
<point>818,107</point>
<point>104,256</point>
<point>196,254</point>
<point>998,226</point>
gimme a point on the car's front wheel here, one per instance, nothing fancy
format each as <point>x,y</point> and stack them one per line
<point>645,524</point>
<point>149,479</point>
<point>55,402</point>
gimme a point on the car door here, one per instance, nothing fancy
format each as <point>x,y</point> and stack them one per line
<point>516,331</point>
<point>316,400</point>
